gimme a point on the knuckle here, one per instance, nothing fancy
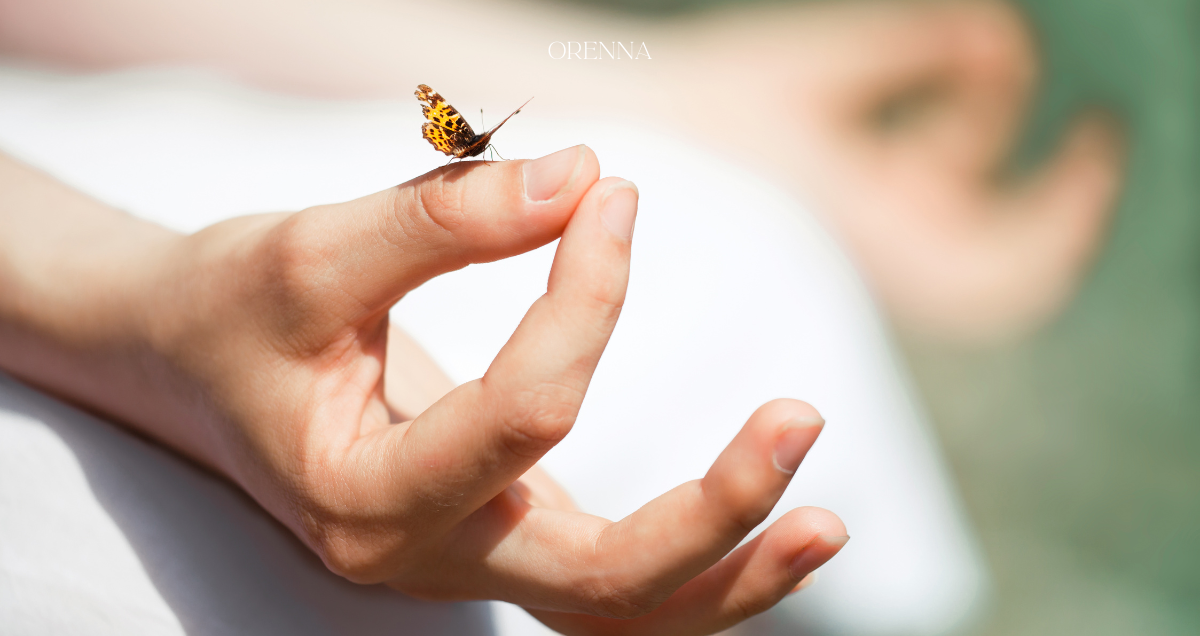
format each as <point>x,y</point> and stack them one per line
<point>740,496</point>
<point>606,300</point>
<point>621,595</point>
<point>296,269</point>
<point>600,298</point>
<point>622,602</point>
<point>350,558</point>
<point>357,548</point>
<point>541,416</point>
<point>744,607</point>
<point>354,539</point>
<point>295,259</point>
<point>434,206</point>
<point>747,520</point>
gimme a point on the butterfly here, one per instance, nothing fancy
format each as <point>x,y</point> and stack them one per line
<point>448,131</point>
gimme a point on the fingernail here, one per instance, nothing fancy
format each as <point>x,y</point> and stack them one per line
<point>553,174</point>
<point>815,554</point>
<point>620,209</point>
<point>807,581</point>
<point>794,441</point>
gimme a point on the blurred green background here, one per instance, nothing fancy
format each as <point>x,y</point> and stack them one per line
<point>1078,450</point>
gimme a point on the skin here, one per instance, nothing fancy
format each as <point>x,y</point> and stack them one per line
<point>260,348</point>
<point>953,250</point>
<point>955,247</point>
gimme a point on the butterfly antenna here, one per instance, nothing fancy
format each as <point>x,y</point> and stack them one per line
<point>509,117</point>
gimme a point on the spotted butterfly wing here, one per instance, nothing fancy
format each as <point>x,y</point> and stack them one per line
<point>446,129</point>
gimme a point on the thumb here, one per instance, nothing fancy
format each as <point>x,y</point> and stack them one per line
<point>378,248</point>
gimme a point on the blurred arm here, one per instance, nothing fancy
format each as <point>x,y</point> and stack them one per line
<point>353,48</point>
<point>790,90</point>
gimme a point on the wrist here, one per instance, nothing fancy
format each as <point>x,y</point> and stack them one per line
<point>78,285</point>
<point>82,290</point>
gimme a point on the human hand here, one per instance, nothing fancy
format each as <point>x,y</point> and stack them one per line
<point>258,347</point>
<point>896,119</point>
<point>796,91</point>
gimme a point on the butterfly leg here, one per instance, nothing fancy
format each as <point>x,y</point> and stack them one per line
<point>493,149</point>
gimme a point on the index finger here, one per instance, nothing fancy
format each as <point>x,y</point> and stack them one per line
<point>481,437</point>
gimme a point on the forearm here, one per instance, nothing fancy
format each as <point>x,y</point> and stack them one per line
<point>76,277</point>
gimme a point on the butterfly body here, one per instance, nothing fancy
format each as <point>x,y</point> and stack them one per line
<point>448,131</point>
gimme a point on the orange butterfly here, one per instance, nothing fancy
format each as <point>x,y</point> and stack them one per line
<point>448,131</point>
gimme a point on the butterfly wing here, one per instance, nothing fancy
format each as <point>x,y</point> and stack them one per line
<point>445,128</point>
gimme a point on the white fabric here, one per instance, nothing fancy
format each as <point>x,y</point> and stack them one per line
<point>103,533</point>
<point>737,296</point>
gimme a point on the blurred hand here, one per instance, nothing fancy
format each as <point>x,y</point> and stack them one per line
<point>798,91</point>
<point>259,347</point>
<point>895,120</point>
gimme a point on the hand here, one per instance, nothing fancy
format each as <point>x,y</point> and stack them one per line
<point>259,346</point>
<point>896,119</point>
<point>796,91</point>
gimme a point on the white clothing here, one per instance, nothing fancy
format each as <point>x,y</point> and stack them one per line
<point>737,296</point>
